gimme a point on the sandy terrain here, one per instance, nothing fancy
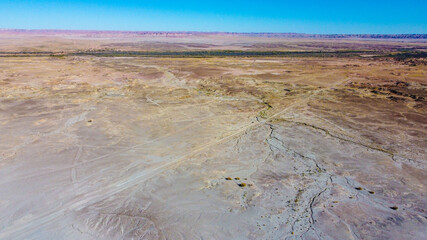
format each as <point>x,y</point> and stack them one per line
<point>132,147</point>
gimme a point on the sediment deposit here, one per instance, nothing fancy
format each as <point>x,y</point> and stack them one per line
<point>218,147</point>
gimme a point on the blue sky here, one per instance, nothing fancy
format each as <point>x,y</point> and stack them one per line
<point>231,16</point>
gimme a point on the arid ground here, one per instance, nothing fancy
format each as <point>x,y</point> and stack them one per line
<point>109,135</point>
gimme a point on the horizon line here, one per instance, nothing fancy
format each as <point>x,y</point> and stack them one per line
<point>206,32</point>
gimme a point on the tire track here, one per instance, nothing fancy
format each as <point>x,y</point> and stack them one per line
<point>84,200</point>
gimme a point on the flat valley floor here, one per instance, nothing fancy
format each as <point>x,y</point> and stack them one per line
<point>219,147</point>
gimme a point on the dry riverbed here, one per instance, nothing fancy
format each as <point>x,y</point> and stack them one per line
<point>215,148</point>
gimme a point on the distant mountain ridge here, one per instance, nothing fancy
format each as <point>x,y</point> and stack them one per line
<point>100,33</point>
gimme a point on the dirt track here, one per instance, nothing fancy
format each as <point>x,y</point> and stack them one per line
<point>216,148</point>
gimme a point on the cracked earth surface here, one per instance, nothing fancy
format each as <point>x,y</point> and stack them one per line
<point>218,148</point>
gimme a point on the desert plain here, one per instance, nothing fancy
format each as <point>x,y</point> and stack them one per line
<point>123,135</point>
